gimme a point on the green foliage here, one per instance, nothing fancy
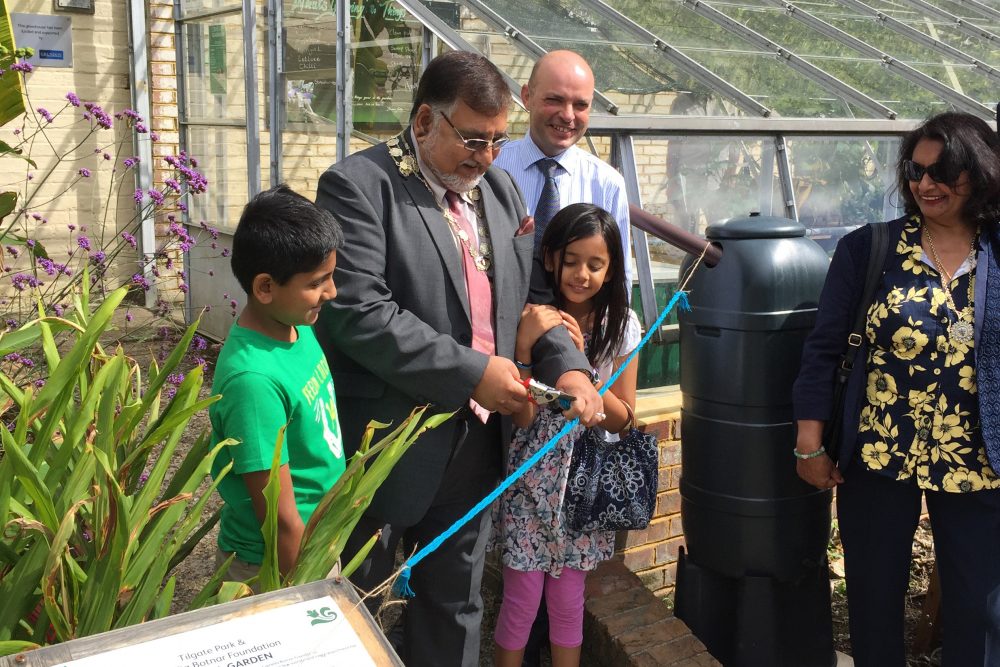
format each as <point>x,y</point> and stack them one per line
<point>96,501</point>
<point>11,96</point>
<point>341,508</point>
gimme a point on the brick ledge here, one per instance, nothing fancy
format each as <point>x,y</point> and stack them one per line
<point>625,624</point>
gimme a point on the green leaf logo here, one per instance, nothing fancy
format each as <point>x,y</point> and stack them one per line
<point>321,615</point>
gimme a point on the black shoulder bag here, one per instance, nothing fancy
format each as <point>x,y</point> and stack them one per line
<point>834,427</point>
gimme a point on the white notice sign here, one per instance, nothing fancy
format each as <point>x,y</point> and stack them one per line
<point>306,634</point>
<point>50,36</point>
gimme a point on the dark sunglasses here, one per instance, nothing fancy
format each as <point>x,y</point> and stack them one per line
<point>476,145</point>
<point>940,172</point>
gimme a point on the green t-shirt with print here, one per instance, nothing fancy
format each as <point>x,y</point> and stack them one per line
<point>266,384</point>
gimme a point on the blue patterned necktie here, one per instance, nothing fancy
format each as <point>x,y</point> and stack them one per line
<point>548,201</point>
<point>988,357</point>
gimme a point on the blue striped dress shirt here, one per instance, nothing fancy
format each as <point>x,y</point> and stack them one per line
<point>582,178</point>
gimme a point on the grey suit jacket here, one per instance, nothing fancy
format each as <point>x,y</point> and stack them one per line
<point>398,333</point>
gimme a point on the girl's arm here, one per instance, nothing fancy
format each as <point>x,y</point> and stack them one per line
<point>619,400</point>
<point>535,322</point>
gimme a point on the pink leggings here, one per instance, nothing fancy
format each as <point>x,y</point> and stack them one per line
<point>522,592</point>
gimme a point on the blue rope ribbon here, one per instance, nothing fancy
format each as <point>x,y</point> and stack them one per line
<point>402,586</point>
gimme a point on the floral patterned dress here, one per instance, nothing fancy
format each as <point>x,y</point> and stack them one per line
<point>529,525</point>
<point>920,419</point>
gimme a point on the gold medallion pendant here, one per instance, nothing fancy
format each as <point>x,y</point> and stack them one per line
<point>961,331</point>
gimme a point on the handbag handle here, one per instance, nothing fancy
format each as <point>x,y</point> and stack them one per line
<point>876,261</point>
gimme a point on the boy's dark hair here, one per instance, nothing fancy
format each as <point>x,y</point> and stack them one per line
<point>970,144</point>
<point>581,221</point>
<point>282,233</point>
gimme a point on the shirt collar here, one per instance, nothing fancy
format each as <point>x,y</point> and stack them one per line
<point>567,159</point>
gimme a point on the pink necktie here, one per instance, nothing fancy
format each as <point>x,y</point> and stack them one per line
<point>480,293</point>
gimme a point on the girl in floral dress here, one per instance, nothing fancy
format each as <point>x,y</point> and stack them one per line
<point>582,253</point>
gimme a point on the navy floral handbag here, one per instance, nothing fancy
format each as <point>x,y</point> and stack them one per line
<point>612,485</point>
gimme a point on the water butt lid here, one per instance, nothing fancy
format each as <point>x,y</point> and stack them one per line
<point>755,226</point>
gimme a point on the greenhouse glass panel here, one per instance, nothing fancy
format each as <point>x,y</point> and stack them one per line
<point>386,45</point>
<point>694,181</point>
<point>213,69</point>
<point>757,73</point>
<point>864,73</point>
<point>222,152</point>
<point>633,75</point>
<point>966,12</point>
<point>843,182</point>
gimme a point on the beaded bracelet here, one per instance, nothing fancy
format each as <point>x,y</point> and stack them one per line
<point>811,455</point>
<point>523,366</point>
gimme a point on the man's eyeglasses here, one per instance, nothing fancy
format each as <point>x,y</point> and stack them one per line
<point>476,145</point>
<point>940,172</point>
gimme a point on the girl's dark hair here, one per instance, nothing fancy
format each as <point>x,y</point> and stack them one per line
<point>970,144</point>
<point>581,221</point>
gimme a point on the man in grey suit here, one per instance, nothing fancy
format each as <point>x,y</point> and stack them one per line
<point>435,271</point>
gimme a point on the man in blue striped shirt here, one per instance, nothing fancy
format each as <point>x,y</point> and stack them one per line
<point>558,97</point>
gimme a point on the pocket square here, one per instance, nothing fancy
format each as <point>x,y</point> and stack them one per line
<point>527,227</point>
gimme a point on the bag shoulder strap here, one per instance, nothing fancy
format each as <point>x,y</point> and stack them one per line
<point>876,260</point>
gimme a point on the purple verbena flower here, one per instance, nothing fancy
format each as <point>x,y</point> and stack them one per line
<point>98,257</point>
<point>58,309</point>
<point>156,196</point>
<point>130,162</point>
<point>73,99</point>
<point>44,113</point>
<point>21,281</point>
<point>83,242</point>
<point>141,129</point>
<point>129,239</point>
<point>140,280</point>
<point>138,196</point>
<point>84,172</point>
<point>39,383</point>
<point>102,118</point>
<point>106,156</point>
<point>172,184</point>
<point>226,252</point>
<point>128,316</point>
<point>14,252</point>
<point>24,67</point>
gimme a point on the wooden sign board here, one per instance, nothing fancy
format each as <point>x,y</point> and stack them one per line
<point>322,624</point>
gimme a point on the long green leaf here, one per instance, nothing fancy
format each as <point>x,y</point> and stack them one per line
<point>28,475</point>
<point>19,339</point>
<point>202,598</point>
<point>12,647</point>
<point>11,98</point>
<point>19,586</point>
<point>156,380</point>
<point>269,578</point>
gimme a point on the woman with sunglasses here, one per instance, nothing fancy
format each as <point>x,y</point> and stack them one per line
<point>921,418</point>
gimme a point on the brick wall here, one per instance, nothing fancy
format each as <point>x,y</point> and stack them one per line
<point>54,190</point>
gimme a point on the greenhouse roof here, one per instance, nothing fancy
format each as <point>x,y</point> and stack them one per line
<point>738,62</point>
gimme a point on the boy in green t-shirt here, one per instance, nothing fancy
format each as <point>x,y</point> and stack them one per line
<point>272,373</point>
